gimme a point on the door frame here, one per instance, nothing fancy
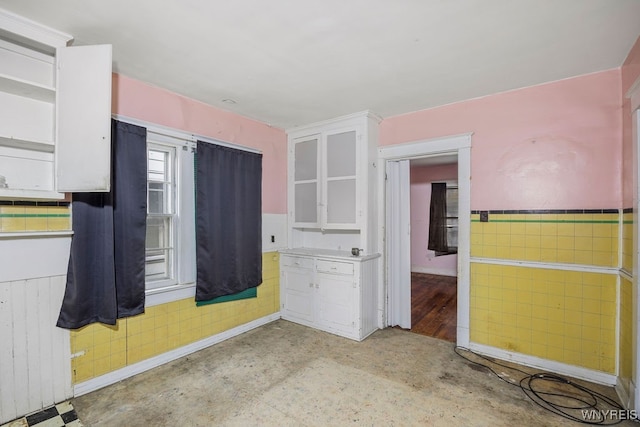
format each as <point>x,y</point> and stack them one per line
<point>459,145</point>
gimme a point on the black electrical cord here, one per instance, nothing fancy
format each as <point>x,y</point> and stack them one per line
<point>582,398</point>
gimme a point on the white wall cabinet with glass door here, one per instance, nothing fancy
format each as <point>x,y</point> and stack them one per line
<point>332,174</point>
<point>55,111</point>
<point>325,180</point>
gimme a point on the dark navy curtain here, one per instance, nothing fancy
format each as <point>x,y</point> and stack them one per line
<point>438,219</point>
<point>228,221</point>
<point>105,277</point>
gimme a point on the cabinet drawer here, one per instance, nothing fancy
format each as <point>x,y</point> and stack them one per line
<point>334,267</point>
<point>297,261</point>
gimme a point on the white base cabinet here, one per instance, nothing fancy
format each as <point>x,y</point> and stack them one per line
<point>330,290</point>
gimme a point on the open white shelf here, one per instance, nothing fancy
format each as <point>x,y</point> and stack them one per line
<point>26,144</point>
<point>25,194</point>
<point>27,89</point>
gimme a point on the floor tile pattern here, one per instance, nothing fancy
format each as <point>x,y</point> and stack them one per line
<point>60,415</point>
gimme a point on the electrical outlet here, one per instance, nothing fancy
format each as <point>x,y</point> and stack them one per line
<point>484,216</point>
<point>273,238</point>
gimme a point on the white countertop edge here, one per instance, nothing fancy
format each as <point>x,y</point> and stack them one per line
<point>328,253</point>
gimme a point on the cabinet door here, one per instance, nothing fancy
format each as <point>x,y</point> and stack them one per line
<point>305,180</point>
<point>337,309</point>
<point>83,107</point>
<point>340,188</point>
<point>297,295</point>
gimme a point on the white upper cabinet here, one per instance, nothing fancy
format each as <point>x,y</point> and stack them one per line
<point>329,166</point>
<point>55,111</point>
<point>306,181</point>
<point>340,190</point>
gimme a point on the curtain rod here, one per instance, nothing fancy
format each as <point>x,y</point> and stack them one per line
<point>181,134</point>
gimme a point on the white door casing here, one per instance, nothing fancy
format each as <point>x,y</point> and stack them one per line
<point>394,243</point>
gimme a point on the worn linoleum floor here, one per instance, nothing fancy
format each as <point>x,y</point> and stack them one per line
<point>283,374</point>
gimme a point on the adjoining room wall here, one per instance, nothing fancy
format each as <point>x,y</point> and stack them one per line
<point>424,260</point>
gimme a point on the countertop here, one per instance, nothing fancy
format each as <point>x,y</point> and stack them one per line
<point>329,253</point>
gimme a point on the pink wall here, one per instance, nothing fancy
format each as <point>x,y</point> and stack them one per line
<point>422,259</point>
<point>139,100</point>
<point>552,146</point>
<point>630,73</point>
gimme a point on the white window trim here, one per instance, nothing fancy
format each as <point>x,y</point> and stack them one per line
<point>184,260</point>
<point>180,134</point>
<point>173,149</point>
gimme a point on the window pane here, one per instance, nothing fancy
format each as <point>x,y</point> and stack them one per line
<point>452,218</point>
<point>157,198</point>
<point>158,163</point>
<point>452,232</point>
<point>158,265</point>
<point>452,201</point>
<point>158,254</point>
<point>157,232</point>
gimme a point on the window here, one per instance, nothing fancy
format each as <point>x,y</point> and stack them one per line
<point>170,235</point>
<point>452,217</point>
<point>161,214</point>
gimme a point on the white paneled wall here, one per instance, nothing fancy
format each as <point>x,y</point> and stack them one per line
<point>369,298</point>
<point>35,359</point>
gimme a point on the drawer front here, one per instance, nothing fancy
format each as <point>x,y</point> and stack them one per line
<point>297,262</point>
<point>334,267</point>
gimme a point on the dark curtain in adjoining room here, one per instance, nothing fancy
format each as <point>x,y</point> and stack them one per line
<point>105,277</point>
<point>438,219</point>
<point>228,221</point>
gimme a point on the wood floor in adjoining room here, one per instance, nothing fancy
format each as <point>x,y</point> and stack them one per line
<point>434,305</point>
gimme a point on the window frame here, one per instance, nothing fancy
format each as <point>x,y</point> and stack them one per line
<point>452,185</point>
<point>182,283</point>
<point>170,213</point>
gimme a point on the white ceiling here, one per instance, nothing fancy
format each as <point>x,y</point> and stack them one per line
<point>293,62</point>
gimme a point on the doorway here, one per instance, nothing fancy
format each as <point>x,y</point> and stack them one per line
<point>434,243</point>
<point>394,230</point>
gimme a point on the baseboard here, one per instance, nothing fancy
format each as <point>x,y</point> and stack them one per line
<point>436,271</point>
<point>546,365</point>
<point>623,394</point>
<point>137,368</point>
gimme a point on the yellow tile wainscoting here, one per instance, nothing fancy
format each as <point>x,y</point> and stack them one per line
<point>100,349</point>
<point>580,238</point>
<point>35,216</point>
<point>566,316</point>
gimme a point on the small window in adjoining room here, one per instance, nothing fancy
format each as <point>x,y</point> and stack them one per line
<point>161,216</point>
<point>452,217</point>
